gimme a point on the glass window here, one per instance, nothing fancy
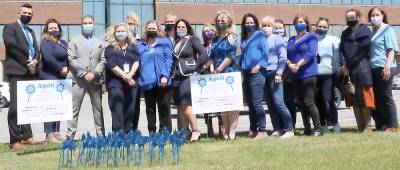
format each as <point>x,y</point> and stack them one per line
<point>1,30</point>
<point>346,1</point>
<point>325,1</point>
<point>294,1</point>
<point>366,2</point>
<point>386,2</point>
<point>356,2</point>
<point>116,13</point>
<point>64,32</point>
<point>87,8</point>
<point>304,1</point>
<point>272,1</point>
<point>99,12</point>
<point>74,30</point>
<point>337,2</point>
<point>283,1</point>
<point>315,1</point>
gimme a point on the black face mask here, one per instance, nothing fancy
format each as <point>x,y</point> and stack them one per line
<point>352,23</point>
<point>222,26</point>
<point>25,19</point>
<point>56,34</point>
<point>151,34</point>
<point>168,27</point>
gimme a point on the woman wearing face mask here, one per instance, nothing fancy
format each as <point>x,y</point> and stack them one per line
<point>208,33</point>
<point>328,64</point>
<point>190,57</point>
<point>383,48</point>
<point>133,22</point>
<point>155,76</point>
<point>279,29</point>
<point>122,58</point>
<point>223,59</point>
<point>254,62</point>
<point>302,62</point>
<point>280,116</point>
<point>354,47</point>
<point>54,67</point>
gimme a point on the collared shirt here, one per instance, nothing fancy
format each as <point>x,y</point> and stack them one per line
<point>383,40</point>
<point>27,34</point>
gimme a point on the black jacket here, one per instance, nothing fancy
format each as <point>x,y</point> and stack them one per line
<point>354,53</point>
<point>17,49</point>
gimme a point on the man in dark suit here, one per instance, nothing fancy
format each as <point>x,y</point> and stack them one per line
<point>21,61</point>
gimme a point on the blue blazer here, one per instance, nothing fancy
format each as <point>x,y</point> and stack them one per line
<point>54,58</point>
<point>155,62</point>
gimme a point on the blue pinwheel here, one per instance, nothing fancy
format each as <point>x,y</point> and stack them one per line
<point>60,89</point>
<point>230,80</point>
<point>30,89</point>
<point>67,147</point>
<point>202,83</point>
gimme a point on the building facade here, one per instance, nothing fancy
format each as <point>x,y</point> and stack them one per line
<point>198,12</point>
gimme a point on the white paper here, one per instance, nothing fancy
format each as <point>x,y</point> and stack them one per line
<point>44,101</point>
<point>216,92</point>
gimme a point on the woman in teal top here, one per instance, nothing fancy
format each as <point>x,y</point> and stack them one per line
<point>383,48</point>
<point>223,59</point>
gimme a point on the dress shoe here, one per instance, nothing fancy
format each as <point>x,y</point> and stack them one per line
<point>252,134</point>
<point>195,136</point>
<point>307,132</point>
<point>392,130</point>
<point>59,137</point>
<point>29,141</point>
<point>17,146</point>
<point>51,138</point>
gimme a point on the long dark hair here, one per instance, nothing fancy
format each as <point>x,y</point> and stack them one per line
<point>46,33</point>
<point>385,17</point>
<point>244,34</point>
<point>189,28</point>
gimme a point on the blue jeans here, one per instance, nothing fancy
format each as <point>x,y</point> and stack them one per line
<point>279,113</point>
<point>325,99</point>
<point>254,91</point>
<point>50,127</point>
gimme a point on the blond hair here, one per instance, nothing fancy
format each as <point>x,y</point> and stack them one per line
<point>231,28</point>
<point>268,19</point>
<point>110,36</point>
<point>133,16</point>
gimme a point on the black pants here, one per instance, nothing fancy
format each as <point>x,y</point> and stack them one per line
<point>305,92</point>
<point>325,99</point>
<point>17,132</point>
<point>135,121</point>
<point>123,104</point>
<point>385,114</point>
<point>162,98</point>
<point>289,98</point>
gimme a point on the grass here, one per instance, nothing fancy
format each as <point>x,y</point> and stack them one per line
<point>347,150</point>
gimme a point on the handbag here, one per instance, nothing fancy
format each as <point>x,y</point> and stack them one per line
<point>348,87</point>
<point>187,66</point>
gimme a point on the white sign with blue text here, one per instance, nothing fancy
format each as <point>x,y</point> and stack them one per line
<point>216,92</point>
<point>44,101</point>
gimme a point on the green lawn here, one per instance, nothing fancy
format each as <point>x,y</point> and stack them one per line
<point>348,150</point>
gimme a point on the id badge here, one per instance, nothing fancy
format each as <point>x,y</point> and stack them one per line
<point>126,68</point>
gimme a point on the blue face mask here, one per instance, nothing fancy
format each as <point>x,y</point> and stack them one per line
<point>300,27</point>
<point>321,32</point>
<point>88,29</point>
<point>121,36</point>
<point>250,28</point>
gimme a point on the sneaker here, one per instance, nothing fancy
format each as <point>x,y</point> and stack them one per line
<point>324,129</point>
<point>261,135</point>
<point>287,135</point>
<point>318,133</point>
<point>307,132</point>
<point>276,134</point>
<point>336,128</point>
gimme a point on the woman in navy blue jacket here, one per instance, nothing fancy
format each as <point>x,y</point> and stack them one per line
<point>254,63</point>
<point>155,76</point>
<point>122,58</point>
<point>302,62</point>
<point>54,67</point>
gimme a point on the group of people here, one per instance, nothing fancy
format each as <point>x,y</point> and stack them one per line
<point>158,64</point>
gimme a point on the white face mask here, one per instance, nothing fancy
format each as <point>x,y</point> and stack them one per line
<point>267,30</point>
<point>376,20</point>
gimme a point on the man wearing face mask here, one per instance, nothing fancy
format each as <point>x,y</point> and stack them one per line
<point>87,62</point>
<point>328,65</point>
<point>354,47</point>
<point>20,64</point>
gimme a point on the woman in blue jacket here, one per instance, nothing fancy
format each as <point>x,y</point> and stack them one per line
<point>155,76</point>
<point>254,62</point>
<point>54,67</point>
<point>302,62</point>
<point>383,47</point>
<point>122,58</point>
